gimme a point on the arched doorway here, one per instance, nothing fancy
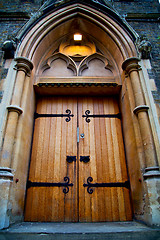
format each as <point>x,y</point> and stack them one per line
<point>78,168</point>
<point>48,46</point>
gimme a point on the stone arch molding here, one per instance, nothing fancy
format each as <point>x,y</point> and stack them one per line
<point>115,39</point>
<point>42,33</point>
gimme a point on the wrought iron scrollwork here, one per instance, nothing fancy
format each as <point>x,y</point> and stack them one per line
<point>68,115</point>
<point>66,184</point>
<point>88,115</point>
<point>90,185</point>
<point>87,112</point>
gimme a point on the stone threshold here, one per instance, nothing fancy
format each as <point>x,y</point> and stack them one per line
<point>83,231</point>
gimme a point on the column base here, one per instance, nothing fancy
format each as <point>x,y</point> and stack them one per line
<point>152,196</point>
<point>6,177</point>
<point>151,172</point>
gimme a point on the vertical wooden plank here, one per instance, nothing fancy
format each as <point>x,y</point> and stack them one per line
<point>124,198</point>
<point>128,207</point>
<point>88,151</point>
<point>106,196</point>
<point>71,150</point>
<point>51,157</point>
<point>44,162</point>
<point>58,177</point>
<point>93,162</point>
<point>115,178</point>
<point>111,165</point>
<point>81,174</point>
<point>75,209</point>
<point>84,169</point>
<point>28,206</point>
<point>98,161</point>
<point>63,164</point>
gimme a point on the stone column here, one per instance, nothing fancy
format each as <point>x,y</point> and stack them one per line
<point>151,172</point>
<point>23,67</point>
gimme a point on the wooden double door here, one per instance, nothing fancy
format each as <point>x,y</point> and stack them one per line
<point>78,168</point>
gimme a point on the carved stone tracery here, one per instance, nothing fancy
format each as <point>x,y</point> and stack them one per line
<point>70,64</point>
<point>79,58</point>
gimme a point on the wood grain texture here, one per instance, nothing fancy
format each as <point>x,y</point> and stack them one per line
<point>54,139</point>
<point>103,142</point>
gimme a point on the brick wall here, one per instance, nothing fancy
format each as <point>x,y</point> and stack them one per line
<point>152,31</point>
<point>7,28</point>
<point>13,15</point>
<point>136,6</point>
<point>144,17</point>
<point>20,5</point>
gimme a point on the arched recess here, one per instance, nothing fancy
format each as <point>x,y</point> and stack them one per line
<point>39,43</point>
<point>61,63</point>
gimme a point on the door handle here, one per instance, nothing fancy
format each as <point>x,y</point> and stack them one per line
<point>84,159</point>
<point>71,159</point>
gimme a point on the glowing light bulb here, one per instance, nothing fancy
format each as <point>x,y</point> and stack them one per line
<point>77,37</point>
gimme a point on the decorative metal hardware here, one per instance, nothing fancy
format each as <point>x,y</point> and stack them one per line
<point>68,115</point>
<point>82,135</point>
<point>84,159</point>
<point>66,184</point>
<point>90,185</point>
<point>71,159</point>
<point>87,116</point>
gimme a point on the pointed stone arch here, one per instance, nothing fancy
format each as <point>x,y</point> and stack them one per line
<point>115,39</point>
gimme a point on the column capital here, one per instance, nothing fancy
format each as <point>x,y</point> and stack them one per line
<point>23,64</point>
<point>131,64</point>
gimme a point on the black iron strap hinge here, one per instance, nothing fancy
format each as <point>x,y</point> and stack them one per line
<point>88,115</point>
<point>90,185</point>
<point>65,184</point>
<point>68,115</point>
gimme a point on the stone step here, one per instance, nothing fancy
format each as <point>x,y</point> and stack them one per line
<point>80,231</point>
